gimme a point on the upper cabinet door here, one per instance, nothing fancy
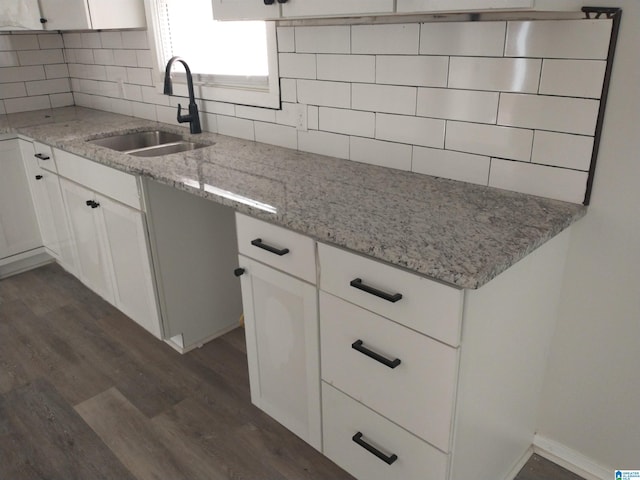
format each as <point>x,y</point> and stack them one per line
<point>92,14</point>
<point>245,10</point>
<point>335,8</point>
<point>435,6</point>
<point>19,15</point>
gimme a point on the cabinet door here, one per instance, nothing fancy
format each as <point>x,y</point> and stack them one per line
<point>281,321</point>
<point>19,230</point>
<point>321,8</point>
<point>461,5</point>
<point>245,10</point>
<point>65,14</point>
<point>125,240</point>
<point>83,220</point>
<point>20,14</point>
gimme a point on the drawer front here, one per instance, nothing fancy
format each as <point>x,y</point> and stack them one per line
<point>343,418</point>
<point>44,154</point>
<point>416,391</point>
<point>426,306</point>
<point>276,246</point>
<point>108,181</point>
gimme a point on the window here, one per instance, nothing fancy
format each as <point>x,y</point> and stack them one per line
<point>230,61</point>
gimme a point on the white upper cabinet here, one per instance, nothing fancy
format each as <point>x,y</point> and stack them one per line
<point>92,14</point>
<point>274,9</point>
<point>20,15</point>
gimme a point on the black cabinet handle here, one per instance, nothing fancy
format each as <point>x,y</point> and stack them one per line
<point>38,177</point>
<point>43,20</point>
<point>89,202</point>
<point>92,204</point>
<point>268,2</point>
<point>283,1</point>
<point>358,345</point>
<point>370,448</point>
<point>42,156</point>
<point>238,272</point>
<point>258,243</point>
<point>357,283</point>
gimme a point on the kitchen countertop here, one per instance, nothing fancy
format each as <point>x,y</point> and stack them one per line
<point>455,232</point>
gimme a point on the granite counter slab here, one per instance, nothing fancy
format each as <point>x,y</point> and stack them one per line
<point>458,233</point>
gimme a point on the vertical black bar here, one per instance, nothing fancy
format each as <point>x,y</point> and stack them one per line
<point>615,15</point>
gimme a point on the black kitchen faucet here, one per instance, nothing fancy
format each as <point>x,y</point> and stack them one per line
<point>193,118</point>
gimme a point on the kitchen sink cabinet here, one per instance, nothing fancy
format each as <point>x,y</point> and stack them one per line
<point>19,233</point>
<point>263,10</point>
<point>92,14</point>
<point>281,323</point>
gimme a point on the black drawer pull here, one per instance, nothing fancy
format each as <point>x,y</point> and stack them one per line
<point>357,345</point>
<point>92,204</point>
<point>38,177</point>
<point>357,283</point>
<point>369,448</point>
<point>42,156</point>
<point>258,243</point>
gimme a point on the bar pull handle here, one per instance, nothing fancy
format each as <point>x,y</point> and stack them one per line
<point>42,156</point>
<point>358,345</point>
<point>388,459</point>
<point>258,243</point>
<point>38,177</point>
<point>357,283</point>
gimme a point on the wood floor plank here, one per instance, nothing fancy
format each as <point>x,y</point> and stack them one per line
<point>41,437</point>
<point>130,436</point>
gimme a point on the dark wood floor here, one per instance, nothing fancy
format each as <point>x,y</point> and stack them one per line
<point>87,394</point>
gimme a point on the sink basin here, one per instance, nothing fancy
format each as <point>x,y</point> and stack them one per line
<point>148,144</point>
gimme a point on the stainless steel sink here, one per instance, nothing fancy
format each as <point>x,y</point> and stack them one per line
<point>148,144</point>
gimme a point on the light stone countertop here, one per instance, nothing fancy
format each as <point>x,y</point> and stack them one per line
<point>455,232</point>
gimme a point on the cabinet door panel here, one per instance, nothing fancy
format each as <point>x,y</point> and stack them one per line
<point>245,10</point>
<point>127,249</point>
<point>321,8</point>
<point>19,230</point>
<point>65,14</point>
<point>92,264</point>
<point>462,5</point>
<point>282,348</point>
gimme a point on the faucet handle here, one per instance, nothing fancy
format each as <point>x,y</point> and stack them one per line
<point>182,118</point>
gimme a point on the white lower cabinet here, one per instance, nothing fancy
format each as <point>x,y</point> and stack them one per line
<point>281,322</point>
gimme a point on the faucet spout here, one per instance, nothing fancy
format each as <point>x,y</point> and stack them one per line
<point>193,117</point>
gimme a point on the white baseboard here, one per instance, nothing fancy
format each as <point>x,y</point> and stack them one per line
<point>519,464</point>
<point>570,459</point>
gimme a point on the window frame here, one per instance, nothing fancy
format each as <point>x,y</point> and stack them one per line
<point>220,88</point>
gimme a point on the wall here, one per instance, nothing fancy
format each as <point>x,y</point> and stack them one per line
<point>33,72</point>
<point>591,399</point>
<point>506,104</point>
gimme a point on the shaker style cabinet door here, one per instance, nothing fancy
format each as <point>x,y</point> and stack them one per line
<point>19,230</point>
<point>245,10</point>
<point>326,8</point>
<point>92,14</point>
<point>281,322</point>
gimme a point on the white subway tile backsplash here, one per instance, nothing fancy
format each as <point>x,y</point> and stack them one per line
<point>236,127</point>
<point>139,76</point>
<point>577,39</point>
<point>125,58</point>
<point>43,87</point>
<point>552,182</point>
<point>121,106</point>
<point>321,93</point>
<point>313,120</point>
<point>50,40</point>
<point>384,154</point>
<point>347,68</point>
<point>408,129</point>
<point>490,140</point>
<point>349,122</point>
<point>40,57</point>
<point>56,71</point>
<point>562,150</point>
<point>209,122</point>
<point>131,92</point>
<point>464,105</point>
<point>288,114</point>
<point>90,40</point>
<point>2,109</point>
<point>135,39</point>
<point>21,74</point>
<point>144,110</point>
<point>12,90</point>
<point>84,55</point>
<point>572,78</point>
<point>144,58</point>
<point>254,113</point>
<point>61,99</point>
<point>72,40</point>
<point>95,72</point>
<point>113,73</point>
<point>286,39</point>
<point>22,42</point>
<point>288,90</point>
<point>384,98</point>
<point>559,114</point>
<point>274,134</point>
<point>323,143</point>
<point>386,39</point>
<point>496,74</point>
<point>8,59</point>
<point>464,167</point>
<point>482,39</point>
<point>27,104</point>
<point>412,70</point>
<point>166,114</point>
<point>221,108</point>
<point>104,57</point>
<point>330,39</point>
<point>111,39</point>
<point>297,65</point>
